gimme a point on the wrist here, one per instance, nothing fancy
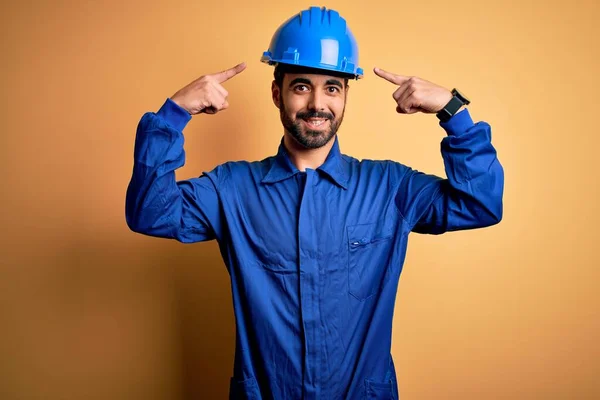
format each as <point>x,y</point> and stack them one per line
<point>456,104</point>
<point>459,124</point>
<point>174,114</point>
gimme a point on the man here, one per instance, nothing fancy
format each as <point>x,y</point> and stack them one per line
<point>313,240</point>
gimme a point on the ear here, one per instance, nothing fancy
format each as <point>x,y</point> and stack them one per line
<point>275,94</point>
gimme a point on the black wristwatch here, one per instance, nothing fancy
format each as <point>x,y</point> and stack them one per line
<point>453,105</point>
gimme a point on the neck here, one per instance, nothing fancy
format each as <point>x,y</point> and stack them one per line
<point>304,158</point>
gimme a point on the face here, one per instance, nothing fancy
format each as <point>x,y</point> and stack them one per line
<point>311,107</point>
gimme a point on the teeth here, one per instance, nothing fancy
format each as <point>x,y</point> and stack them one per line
<point>316,122</point>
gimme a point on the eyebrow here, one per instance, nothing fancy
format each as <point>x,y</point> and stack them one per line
<point>334,82</point>
<point>300,80</point>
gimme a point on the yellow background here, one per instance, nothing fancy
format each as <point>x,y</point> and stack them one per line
<point>90,310</point>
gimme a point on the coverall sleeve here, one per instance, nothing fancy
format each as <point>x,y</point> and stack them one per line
<point>158,205</point>
<point>471,195</point>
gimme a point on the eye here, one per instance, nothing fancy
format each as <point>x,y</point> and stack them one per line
<point>301,88</point>
<point>333,89</point>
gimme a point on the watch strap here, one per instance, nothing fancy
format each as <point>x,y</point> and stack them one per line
<point>457,101</point>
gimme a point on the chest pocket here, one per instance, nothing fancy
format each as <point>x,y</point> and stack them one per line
<point>370,251</point>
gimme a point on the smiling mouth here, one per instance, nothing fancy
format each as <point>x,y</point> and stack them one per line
<point>315,122</point>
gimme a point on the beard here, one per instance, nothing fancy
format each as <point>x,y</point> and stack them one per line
<point>310,139</point>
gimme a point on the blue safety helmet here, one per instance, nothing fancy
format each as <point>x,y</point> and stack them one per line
<point>315,38</point>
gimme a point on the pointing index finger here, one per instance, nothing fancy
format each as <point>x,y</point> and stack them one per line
<point>229,73</point>
<point>388,76</point>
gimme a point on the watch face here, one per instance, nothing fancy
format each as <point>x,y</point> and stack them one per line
<point>461,96</point>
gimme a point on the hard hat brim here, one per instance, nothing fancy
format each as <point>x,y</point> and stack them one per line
<point>321,69</point>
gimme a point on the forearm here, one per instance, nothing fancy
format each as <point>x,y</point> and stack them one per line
<point>475,175</point>
<point>153,198</point>
<point>471,195</point>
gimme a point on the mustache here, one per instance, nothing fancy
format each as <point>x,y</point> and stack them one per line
<point>313,114</point>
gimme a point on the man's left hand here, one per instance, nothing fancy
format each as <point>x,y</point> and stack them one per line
<point>415,94</point>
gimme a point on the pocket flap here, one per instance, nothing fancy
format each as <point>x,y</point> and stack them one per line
<point>244,390</point>
<point>381,390</point>
<point>367,233</point>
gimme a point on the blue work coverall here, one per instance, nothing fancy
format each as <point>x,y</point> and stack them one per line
<point>314,256</point>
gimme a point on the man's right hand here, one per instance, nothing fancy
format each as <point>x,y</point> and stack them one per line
<point>205,94</point>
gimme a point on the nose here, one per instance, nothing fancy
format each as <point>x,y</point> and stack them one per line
<point>316,101</point>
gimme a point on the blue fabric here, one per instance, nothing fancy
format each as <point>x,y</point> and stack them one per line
<point>314,257</point>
